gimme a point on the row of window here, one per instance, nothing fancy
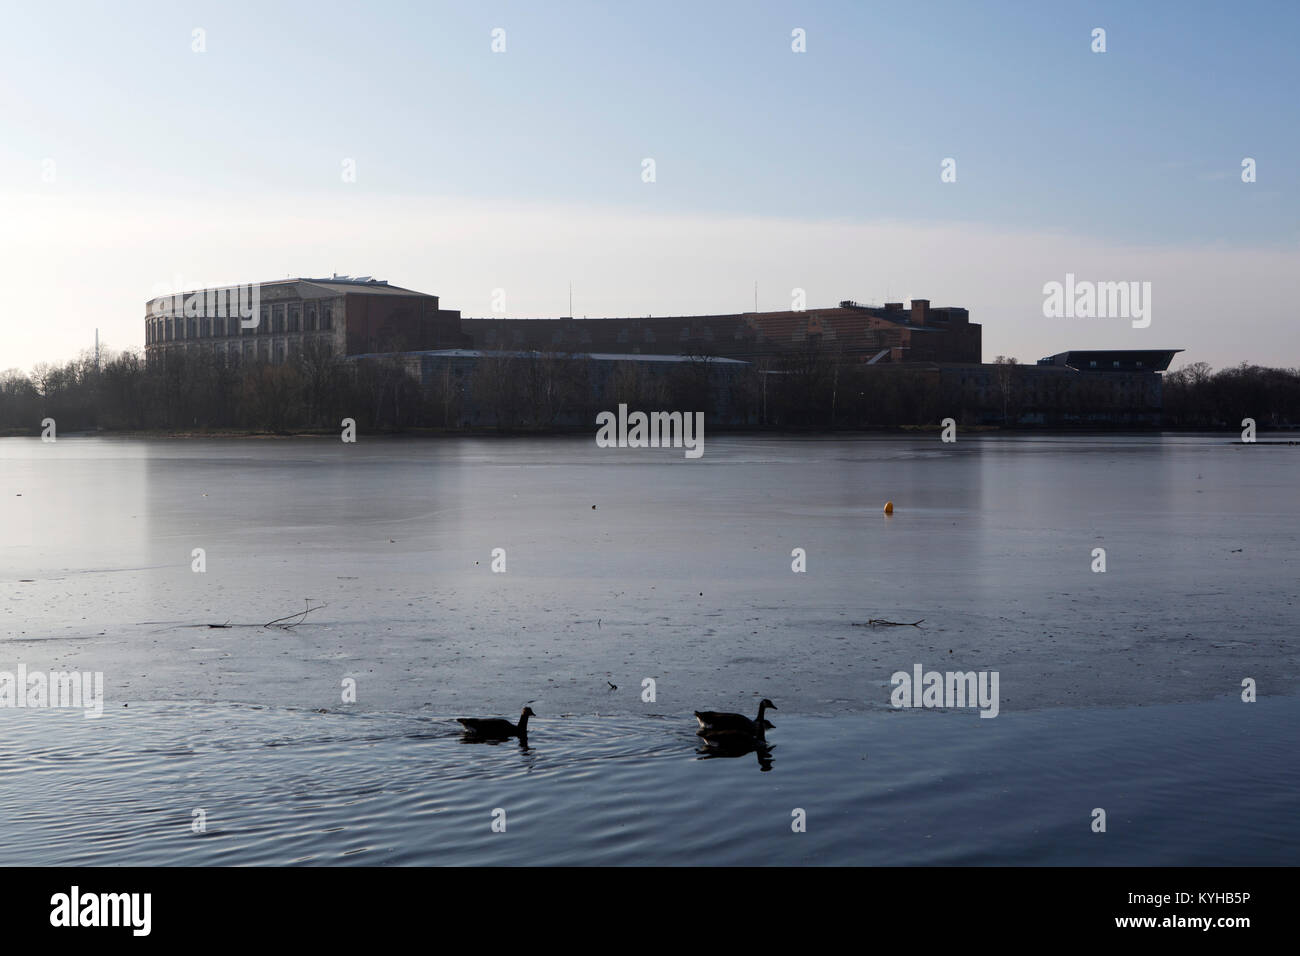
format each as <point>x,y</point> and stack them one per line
<point>285,317</point>
<point>264,350</point>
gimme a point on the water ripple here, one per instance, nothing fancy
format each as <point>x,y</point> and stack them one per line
<point>304,788</point>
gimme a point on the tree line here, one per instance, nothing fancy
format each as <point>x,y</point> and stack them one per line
<point>809,389</point>
<point>1196,396</point>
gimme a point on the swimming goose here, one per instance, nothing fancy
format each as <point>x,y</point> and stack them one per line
<point>497,727</point>
<point>712,722</point>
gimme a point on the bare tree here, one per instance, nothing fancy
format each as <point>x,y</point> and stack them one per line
<point>1007,378</point>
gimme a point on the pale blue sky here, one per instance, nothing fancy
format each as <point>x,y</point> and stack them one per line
<point>1139,148</point>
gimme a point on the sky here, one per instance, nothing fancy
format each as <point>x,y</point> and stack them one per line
<point>139,155</point>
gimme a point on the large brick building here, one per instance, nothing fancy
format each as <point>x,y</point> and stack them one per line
<point>339,316</point>
<point>346,316</point>
<point>936,349</point>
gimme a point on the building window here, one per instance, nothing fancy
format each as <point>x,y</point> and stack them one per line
<point>311,318</point>
<point>295,317</point>
<point>277,318</point>
<point>264,326</point>
<point>326,316</point>
<point>1092,364</point>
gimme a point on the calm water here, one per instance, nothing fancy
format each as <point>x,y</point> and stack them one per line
<point>1118,690</point>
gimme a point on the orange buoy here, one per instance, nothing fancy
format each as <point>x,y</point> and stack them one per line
<point>889,507</point>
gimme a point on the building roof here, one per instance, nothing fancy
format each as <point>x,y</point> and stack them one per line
<point>1152,360</point>
<point>353,286</point>
<point>317,288</point>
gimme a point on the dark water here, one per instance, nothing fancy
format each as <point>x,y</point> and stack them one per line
<point>1204,783</point>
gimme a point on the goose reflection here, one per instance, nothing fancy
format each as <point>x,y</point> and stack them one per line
<point>495,741</point>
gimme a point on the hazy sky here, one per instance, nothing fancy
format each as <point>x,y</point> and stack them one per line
<point>130,162</point>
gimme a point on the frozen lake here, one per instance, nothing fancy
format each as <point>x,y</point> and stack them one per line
<point>627,565</point>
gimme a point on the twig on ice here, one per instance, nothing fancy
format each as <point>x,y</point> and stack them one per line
<point>300,615</point>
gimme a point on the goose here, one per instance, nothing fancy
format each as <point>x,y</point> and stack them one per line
<point>712,723</point>
<point>497,727</point>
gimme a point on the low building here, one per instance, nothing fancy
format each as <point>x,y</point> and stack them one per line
<point>489,388</point>
<point>1078,387</point>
